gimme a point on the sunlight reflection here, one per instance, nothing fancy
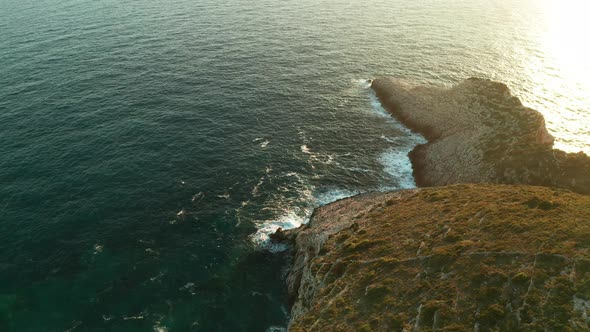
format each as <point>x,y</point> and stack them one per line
<point>563,70</point>
<point>567,36</point>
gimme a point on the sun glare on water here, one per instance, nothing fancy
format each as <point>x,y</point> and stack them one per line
<point>568,36</point>
<point>563,70</point>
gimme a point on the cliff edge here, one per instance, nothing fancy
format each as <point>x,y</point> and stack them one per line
<point>464,257</point>
<point>493,255</point>
<point>478,132</point>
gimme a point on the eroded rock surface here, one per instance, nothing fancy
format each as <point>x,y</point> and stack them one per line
<point>478,132</point>
<point>457,258</point>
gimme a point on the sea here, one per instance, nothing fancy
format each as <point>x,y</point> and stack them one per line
<point>148,148</point>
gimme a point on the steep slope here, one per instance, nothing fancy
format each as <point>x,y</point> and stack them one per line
<point>456,258</point>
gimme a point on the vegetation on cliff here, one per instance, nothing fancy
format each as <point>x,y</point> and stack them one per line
<point>456,258</point>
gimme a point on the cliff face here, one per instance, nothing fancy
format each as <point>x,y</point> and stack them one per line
<point>481,257</point>
<point>478,132</point>
<point>456,258</point>
<point>309,239</point>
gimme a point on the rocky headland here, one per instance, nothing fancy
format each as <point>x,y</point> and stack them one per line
<point>479,250</point>
<point>478,132</point>
<point>457,258</point>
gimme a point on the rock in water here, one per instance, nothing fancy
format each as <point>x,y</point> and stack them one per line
<point>478,132</point>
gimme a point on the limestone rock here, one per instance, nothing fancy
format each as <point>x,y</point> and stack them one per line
<point>478,132</point>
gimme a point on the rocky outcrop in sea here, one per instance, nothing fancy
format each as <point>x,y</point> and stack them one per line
<point>478,132</point>
<point>495,254</point>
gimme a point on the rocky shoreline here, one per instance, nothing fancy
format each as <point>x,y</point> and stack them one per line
<point>478,132</point>
<point>493,255</point>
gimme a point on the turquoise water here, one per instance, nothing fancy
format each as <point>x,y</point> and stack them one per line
<point>148,148</point>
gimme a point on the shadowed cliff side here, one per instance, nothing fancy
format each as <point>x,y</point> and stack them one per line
<point>478,132</point>
<point>457,258</point>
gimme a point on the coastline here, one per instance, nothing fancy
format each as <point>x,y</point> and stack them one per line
<point>478,132</point>
<point>499,211</point>
<point>499,257</point>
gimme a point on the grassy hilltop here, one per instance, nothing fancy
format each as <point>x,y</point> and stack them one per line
<point>463,257</point>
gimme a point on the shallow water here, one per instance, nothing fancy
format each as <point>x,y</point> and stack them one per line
<point>149,148</point>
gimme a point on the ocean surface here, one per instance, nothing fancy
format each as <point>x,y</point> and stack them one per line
<point>148,148</point>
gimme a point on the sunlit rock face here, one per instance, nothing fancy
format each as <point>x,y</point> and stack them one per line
<point>491,255</point>
<point>479,132</point>
<point>472,257</point>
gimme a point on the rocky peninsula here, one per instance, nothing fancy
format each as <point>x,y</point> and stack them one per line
<point>480,250</point>
<point>478,132</point>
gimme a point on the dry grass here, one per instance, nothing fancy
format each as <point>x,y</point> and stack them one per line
<point>451,258</point>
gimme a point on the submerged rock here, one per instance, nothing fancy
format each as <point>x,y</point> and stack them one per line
<point>463,257</point>
<point>478,132</point>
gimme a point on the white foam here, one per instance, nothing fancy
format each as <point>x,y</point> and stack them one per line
<point>330,159</point>
<point>302,135</point>
<point>358,169</point>
<point>264,144</point>
<point>378,108</point>
<point>198,196</point>
<point>189,287</point>
<point>257,186</point>
<point>287,221</point>
<point>332,196</point>
<point>397,164</point>
<point>276,329</point>
<point>98,248</point>
<point>395,161</point>
<point>399,139</point>
<point>326,159</point>
<point>315,157</point>
<point>292,213</point>
<point>160,328</point>
<point>363,82</point>
<point>157,277</point>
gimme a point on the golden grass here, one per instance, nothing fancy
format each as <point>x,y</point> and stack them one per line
<point>500,257</point>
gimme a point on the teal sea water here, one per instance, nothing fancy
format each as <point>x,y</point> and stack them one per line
<point>148,148</point>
